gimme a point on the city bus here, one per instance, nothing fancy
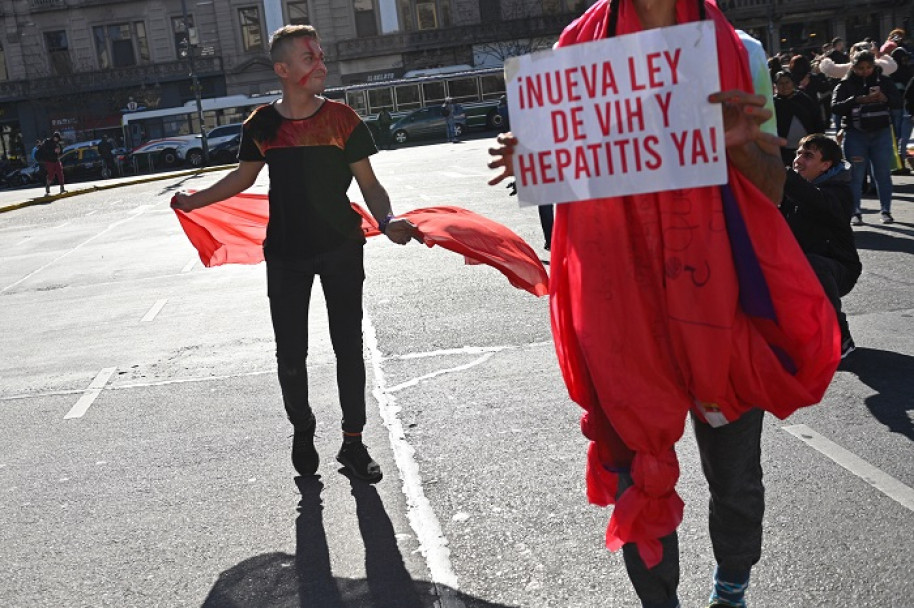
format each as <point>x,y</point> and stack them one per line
<point>144,125</point>
<point>477,90</point>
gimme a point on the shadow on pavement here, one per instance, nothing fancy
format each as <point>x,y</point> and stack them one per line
<point>888,238</point>
<point>892,376</point>
<point>279,580</point>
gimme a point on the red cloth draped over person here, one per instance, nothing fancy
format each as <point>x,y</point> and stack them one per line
<point>676,300</point>
<point>232,232</point>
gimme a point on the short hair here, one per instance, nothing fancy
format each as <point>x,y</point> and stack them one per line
<point>862,56</point>
<point>836,40</point>
<point>825,145</point>
<point>783,74</point>
<point>279,41</point>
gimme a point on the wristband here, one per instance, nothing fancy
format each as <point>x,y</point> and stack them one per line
<point>382,225</point>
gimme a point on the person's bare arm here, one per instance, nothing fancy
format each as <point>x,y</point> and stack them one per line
<point>753,152</point>
<point>399,231</point>
<point>236,181</point>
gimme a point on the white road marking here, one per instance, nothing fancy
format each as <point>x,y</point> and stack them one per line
<point>464,350</point>
<point>91,394</point>
<point>136,212</point>
<point>190,265</point>
<point>432,543</point>
<point>156,308</point>
<point>877,478</point>
<point>459,368</point>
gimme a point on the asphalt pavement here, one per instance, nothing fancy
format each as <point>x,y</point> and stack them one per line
<point>144,452</point>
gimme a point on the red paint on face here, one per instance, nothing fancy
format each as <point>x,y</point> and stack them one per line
<point>312,47</point>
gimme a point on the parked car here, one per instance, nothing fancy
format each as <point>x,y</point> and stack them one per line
<point>157,154</point>
<point>84,162</point>
<point>425,122</point>
<point>23,176</point>
<point>226,152</point>
<point>191,152</point>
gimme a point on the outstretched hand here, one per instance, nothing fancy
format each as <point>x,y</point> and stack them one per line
<point>184,202</point>
<point>504,157</point>
<point>744,114</point>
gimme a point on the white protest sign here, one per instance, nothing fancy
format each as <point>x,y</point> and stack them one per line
<point>625,115</point>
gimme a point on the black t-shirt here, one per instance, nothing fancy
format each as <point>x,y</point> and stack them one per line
<point>309,162</point>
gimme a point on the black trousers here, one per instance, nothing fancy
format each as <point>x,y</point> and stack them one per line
<point>837,281</point>
<point>731,461</point>
<point>289,283</point>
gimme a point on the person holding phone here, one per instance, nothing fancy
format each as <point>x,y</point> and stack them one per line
<point>863,99</point>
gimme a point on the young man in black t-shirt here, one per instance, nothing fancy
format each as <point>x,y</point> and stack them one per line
<point>313,147</point>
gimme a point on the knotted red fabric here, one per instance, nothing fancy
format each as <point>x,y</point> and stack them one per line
<point>676,300</point>
<point>232,232</point>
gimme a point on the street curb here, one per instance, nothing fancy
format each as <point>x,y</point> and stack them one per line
<point>45,200</point>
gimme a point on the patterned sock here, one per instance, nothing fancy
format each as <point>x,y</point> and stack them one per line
<point>730,588</point>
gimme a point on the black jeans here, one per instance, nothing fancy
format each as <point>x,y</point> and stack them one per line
<point>731,460</point>
<point>289,285</point>
<point>837,281</point>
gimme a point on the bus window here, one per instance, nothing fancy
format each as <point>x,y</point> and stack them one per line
<point>433,92</point>
<point>356,101</point>
<point>379,99</point>
<point>463,89</point>
<point>493,86</point>
<point>407,97</point>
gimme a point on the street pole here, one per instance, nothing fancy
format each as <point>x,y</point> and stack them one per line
<point>195,83</point>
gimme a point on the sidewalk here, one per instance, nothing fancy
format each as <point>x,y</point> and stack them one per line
<point>18,198</point>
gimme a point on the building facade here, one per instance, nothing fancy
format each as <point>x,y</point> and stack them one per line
<point>806,25</point>
<point>76,66</point>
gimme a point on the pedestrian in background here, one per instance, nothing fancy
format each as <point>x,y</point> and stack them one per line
<point>818,206</point>
<point>863,99</point>
<point>48,154</point>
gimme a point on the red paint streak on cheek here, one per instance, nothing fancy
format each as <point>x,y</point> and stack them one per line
<point>304,79</point>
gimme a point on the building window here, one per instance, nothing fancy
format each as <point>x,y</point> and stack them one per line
<point>59,52</point>
<point>557,7</point>
<point>251,34</point>
<point>298,13</point>
<point>119,44</point>
<point>184,34</point>
<point>489,10</point>
<point>4,75</point>
<point>365,22</point>
<point>425,14</point>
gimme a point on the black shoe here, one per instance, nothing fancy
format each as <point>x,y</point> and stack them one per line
<point>354,456</point>
<point>887,218</point>
<point>857,220</point>
<point>847,347</point>
<point>304,456</point>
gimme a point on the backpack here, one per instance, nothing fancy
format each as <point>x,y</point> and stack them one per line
<point>41,154</point>
<point>445,110</point>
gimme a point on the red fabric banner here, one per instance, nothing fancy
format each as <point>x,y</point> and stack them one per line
<point>232,232</point>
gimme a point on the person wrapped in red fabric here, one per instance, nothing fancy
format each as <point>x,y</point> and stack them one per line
<point>650,327</point>
<point>314,147</point>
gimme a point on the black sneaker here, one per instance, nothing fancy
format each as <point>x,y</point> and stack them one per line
<point>354,456</point>
<point>304,456</point>
<point>847,347</point>
<point>857,220</point>
<point>887,218</point>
